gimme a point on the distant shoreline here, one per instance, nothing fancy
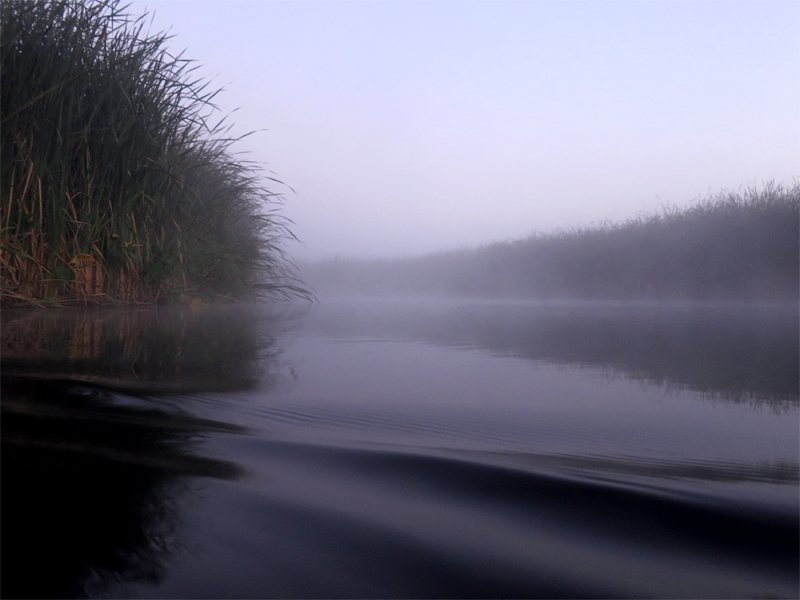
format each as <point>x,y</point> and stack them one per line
<point>742,247</point>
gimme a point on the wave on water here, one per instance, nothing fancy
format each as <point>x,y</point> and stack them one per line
<point>466,527</point>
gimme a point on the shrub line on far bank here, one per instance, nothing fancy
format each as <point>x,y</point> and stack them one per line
<point>730,246</point>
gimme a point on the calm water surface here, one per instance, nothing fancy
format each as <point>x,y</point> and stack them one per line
<point>405,449</point>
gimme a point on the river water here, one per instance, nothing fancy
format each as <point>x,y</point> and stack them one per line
<point>402,449</point>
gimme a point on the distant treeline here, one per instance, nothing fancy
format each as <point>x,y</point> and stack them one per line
<point>729,246</point>
<point>116,185</point>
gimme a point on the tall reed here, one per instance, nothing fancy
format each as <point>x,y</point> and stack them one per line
<point>115,183</point>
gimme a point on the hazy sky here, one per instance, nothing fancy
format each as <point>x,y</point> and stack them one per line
<point>405,127</point>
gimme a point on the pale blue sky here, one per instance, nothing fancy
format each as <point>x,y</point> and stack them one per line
<point>406,127</point>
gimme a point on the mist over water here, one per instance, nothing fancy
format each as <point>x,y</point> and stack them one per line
<point>402,449</point>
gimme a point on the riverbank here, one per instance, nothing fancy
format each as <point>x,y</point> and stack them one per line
<point>732,246</point>
<point>120,183</point>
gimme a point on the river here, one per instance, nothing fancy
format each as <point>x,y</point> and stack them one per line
<point>402,449</point>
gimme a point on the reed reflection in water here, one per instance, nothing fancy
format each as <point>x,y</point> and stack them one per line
<point>728,351</point>
<point>98,438</point>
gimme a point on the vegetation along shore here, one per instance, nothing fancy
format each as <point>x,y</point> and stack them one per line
<point>119,183</point>
<point>731,246</point>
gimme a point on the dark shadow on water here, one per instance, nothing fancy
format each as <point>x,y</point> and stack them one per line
<point>94,462</point>
<point>89,489</point>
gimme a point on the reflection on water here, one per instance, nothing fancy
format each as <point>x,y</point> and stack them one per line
<point>94,476</point>
<point>90,488</point>
<point>404,450</point>
<point>160,350</point>
<point>731,352</point>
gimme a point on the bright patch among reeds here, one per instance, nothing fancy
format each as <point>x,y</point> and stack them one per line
<point>115,186</point>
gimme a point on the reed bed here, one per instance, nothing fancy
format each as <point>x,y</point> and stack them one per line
<point>731,246</point>
<point>119,183</point>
